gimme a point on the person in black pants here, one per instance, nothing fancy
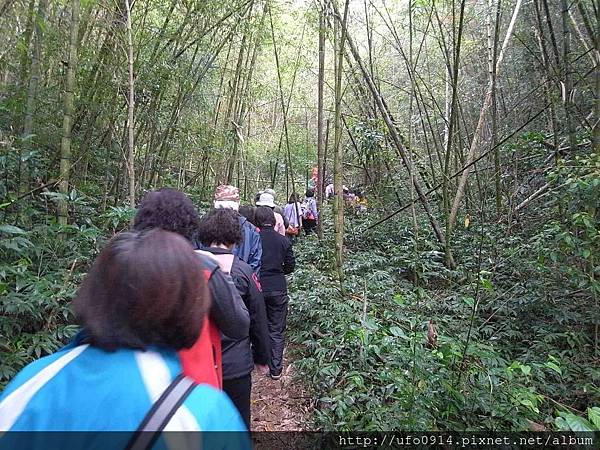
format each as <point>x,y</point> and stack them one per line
<point>219,231</point>
<point>277,261</point>
<point>311,214</point>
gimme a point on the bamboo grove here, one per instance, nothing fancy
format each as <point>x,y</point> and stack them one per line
<point>452,115</point>
<point>186,92</point>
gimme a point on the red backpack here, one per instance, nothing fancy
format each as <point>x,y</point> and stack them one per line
<point>202,362</point>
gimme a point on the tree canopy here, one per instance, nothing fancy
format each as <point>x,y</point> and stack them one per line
<point>463,296</point>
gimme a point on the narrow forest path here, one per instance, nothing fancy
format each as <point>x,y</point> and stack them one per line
<point>280,405</point>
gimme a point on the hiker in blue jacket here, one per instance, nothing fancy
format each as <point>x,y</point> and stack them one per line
<point>250,249</point>
<point>144,299</point>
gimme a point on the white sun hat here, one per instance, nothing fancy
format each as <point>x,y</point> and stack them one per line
<point>266,199</point>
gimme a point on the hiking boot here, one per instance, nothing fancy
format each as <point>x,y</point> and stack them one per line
<point>276,375</point>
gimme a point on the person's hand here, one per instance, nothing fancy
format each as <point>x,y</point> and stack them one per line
<point>262,369</point>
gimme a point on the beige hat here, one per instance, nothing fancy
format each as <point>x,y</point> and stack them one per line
<point>266,199</point>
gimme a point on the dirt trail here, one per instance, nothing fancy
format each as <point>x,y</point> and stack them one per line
<point>279,405</point>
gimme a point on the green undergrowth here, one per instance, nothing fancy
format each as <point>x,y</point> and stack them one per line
<point>516,345</point>
<point>41,265</point>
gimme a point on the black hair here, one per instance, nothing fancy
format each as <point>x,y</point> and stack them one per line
<point>310,193</point>
<point>220,226</point>
<point>167,209</point>
<point>264,217</point>
<point>249,212</point>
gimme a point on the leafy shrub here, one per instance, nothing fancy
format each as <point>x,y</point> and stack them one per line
<point>506,355</point>
<point>40,269</point>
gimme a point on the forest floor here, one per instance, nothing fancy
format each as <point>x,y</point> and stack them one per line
<point>280,405</point>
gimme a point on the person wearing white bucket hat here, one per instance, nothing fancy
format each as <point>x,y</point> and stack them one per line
<point>278,209</point>
<point>267,199</point>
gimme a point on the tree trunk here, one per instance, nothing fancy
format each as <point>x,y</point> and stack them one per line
<point>477,137</point>
<point>32,91</point>
<point>338,148</point>
<point>566,72</point>
<point>411,69</point>
<point>26,42</point>
<point>130,110</point>
<point>451,122</point>
<point>65,145</point>
<point>239,112</point>
<point>320,136</point>
<point>493,53</point>
<point>230,114</point>
<point>547,66</point>
<point>285,108</point>
<point>596,127</point>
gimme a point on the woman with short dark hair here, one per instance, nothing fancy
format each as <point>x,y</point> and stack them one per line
<point>144,289</point>
<point>143,300</point>
<point>168,209</point>
<point>219,231</point>
<point>265,217</point>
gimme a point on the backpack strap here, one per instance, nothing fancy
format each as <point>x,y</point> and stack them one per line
<point>160,413</point>
<point>223,261</point>
<point>208,261</point>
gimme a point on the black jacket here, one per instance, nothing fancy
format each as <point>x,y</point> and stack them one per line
<point>227,309</point>
<point>240,354</point>
<point>277,260</point>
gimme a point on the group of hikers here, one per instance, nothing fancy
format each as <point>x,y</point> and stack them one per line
<point>175,314</point>
<point>354,198</point>
<point>293,217</point>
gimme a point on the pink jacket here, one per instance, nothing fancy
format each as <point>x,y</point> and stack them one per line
<point>279,224</point>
